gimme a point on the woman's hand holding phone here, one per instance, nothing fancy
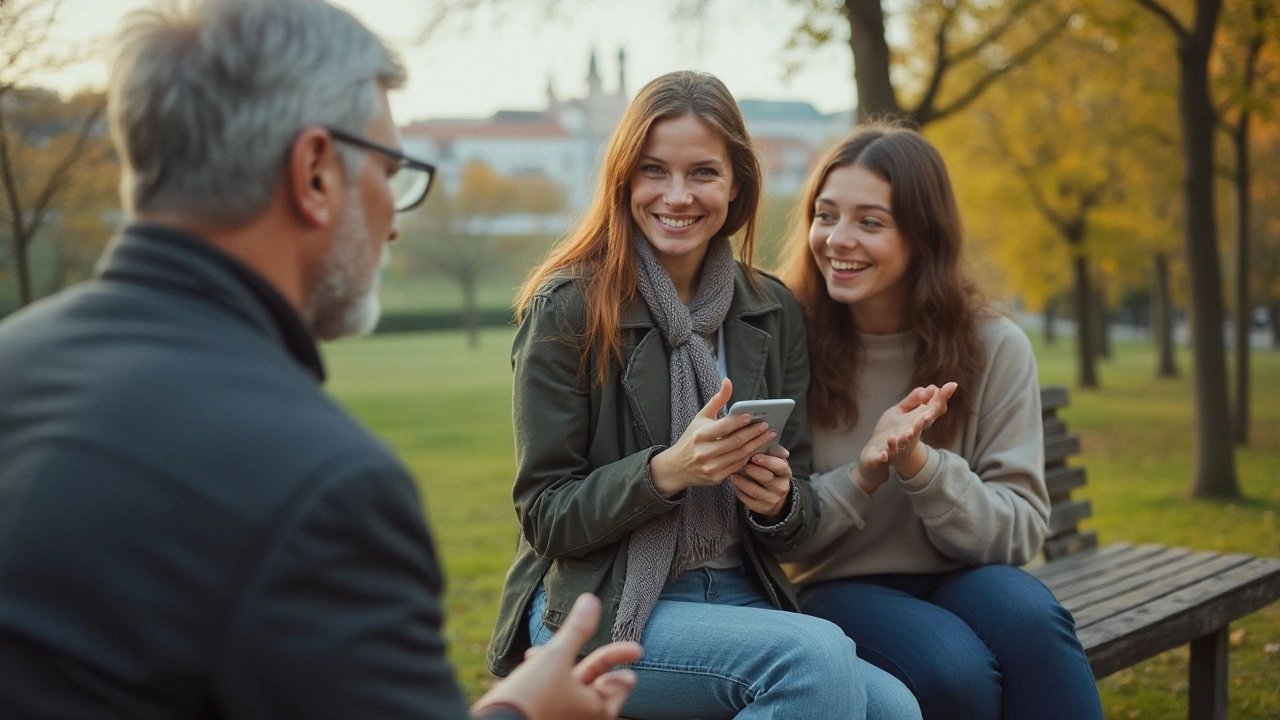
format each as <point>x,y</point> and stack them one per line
<point>710,449</point>
<point>764,483</point>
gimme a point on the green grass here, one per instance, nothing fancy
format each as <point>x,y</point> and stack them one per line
<point>447,411</point>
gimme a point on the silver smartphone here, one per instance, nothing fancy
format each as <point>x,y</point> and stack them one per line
<point>775,412</point>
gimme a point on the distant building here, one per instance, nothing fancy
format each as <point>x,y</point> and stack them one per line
<point>789,136</point>
<point>561,142</point>
<point>564,141</point>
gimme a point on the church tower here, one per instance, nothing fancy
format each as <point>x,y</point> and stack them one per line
<point>622,72</point>
<point>594,86</point>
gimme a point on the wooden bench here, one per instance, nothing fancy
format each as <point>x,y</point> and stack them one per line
<point>1134,602</point>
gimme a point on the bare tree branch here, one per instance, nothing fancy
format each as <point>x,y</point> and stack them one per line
<point>928,114</point>
<point>62,171</point>
<point>1165,16</point>
<point>440,12</point>
<point>941,62</point>
<point>994,34</point>
<point>28,36</point>
<point>10,186</point>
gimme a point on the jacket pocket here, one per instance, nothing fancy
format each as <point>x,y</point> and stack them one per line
<point>569,577</point>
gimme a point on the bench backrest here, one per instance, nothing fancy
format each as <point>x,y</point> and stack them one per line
<point>1065,537</point>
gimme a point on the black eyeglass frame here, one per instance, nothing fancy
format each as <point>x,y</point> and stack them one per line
<point>405,161</point>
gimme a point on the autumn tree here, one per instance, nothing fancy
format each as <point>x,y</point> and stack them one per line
<point>44,140</point>
<point>1248,79</point>
<point>1214,472</point>
<point>458,233</point>
<point>1143,229</point>
<point>1059,144</point>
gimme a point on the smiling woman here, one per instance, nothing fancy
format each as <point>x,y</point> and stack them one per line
<point>928,446</point>
<point>680,195</point>
<point>634,335</point>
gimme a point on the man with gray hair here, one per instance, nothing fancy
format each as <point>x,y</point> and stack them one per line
<point>189,527</point>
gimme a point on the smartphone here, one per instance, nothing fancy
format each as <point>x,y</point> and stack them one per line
<point>775,412</point>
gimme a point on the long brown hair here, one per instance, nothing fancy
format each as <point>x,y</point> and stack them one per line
<point>944,302</point>
<point>599,251</point>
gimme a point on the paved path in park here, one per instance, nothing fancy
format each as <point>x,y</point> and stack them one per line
<point>1259,338</point>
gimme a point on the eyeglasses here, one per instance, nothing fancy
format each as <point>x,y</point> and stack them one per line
<point>411,180</point>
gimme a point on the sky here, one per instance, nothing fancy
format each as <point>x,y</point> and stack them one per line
<point>495,60</point>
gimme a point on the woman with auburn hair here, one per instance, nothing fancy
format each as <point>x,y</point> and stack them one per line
<point>635,333</point>
<point>928,446</point>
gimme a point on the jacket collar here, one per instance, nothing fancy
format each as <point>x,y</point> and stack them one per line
<point>748,301</point>
<point>167,259</point>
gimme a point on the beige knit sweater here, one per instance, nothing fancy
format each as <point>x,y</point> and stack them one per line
<point>979,500</point>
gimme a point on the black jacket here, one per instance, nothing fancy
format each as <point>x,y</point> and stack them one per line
<point>189,527</point>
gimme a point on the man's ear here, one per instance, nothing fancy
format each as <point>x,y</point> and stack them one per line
<point>314,177</point>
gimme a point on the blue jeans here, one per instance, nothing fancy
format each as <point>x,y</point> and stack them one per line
<point>976,643</point>
<point>715,648</point>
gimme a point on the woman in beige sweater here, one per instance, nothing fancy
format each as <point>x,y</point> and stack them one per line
<point>928,447</point>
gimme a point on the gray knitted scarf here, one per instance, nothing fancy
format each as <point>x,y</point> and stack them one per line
<point>699,528</point>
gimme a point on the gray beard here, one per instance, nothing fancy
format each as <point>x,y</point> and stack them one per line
<point>344,300</point>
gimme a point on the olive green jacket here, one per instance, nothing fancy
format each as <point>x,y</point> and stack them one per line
<point>582,450</point>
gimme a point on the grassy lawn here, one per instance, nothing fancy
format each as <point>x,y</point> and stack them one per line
<point>447,411</point>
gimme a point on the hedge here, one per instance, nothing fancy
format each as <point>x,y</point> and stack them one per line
<point>399,321</point>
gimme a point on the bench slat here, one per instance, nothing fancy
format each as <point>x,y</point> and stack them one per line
<point>1104,574</point>
<point>1176,619</point>
<point>1052,398</point>
<point>1153,591</point>
<point>1134,578</point>
<point>1054,427</point>
<point>1067,514</point>
<point>1061,480</point>
<point>1069,544</point>
<point>1069,570</point>
<point>1058,567</point>
<point>1058,449</point>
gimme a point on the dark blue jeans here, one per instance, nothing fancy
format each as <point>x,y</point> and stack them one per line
<point>975,643</point>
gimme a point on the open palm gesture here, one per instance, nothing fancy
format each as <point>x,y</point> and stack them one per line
<point>896,437</point>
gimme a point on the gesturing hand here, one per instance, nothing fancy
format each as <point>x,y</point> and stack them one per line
<point>549,686</point>
<point>710,449</point>
<point>896,438</point>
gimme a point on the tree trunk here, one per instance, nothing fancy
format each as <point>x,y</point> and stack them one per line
<point>871,68</point>
<point>470,314</point>
<point>1243,321</point>
<point>1050,322</point>
<point>1275,324</point>
<point>1214,473</point>
<point>22,268</point>
<point>1162,317</point>
<point>1087,376</point>
<point>1101,326</point>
